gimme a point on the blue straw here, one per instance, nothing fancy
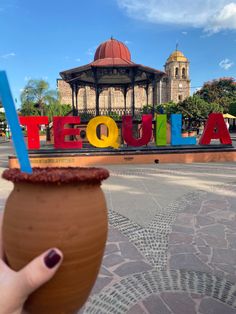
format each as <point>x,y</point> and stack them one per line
<point>12,118</point>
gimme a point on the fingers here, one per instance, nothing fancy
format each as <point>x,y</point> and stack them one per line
<point>15,287</point>
<point>39,271</point>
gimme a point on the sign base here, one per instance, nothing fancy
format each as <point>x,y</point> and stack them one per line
<point>143,155</point>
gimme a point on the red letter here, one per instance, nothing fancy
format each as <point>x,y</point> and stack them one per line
<point>60,132</point>
<point>127,130</point>
<point>32,125</point>
<point>215,129</point>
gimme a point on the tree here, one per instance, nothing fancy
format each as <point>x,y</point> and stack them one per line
<point>232,108</point>
<point>170,107</point>
<point>56,109</point>
<point>221,91</point>
<point>166,108</point>
<point>28,108</point>
<point>197,108</point>
<point>3,122</point>
<point>36,96</point>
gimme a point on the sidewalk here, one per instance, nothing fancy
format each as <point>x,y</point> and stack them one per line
<point>4,140</point>
<point>171,247</point>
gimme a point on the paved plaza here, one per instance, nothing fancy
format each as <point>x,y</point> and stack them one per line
<point>171,246</point>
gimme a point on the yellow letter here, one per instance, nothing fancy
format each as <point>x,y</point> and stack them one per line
<point>105,141</point>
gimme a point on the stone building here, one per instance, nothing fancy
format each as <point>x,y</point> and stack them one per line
<point>176,86</point>
<point>173,84</point>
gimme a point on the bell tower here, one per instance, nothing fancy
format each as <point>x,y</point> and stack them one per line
<point>178,81</point>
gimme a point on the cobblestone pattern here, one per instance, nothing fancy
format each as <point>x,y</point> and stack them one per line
<point>133,289</point>
<point>120,259</point>
<point>180,303</point>
<point>152,241</point>
<point>205,236</point>
<point>143,282</point>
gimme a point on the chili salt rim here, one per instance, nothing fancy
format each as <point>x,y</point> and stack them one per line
<point>58,175</point>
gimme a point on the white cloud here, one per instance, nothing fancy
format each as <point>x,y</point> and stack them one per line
<point>226,19</point>
<point>210,15</point>
<point>8,55</point>
<point>226,64</point>
<point>77,60</point>
<point>185,33</point>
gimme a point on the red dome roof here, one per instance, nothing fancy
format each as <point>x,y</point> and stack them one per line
<point>113,51</point>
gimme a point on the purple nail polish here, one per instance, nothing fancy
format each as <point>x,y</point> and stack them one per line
<point>52,259</point>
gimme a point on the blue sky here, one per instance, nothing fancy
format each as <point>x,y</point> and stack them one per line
<point>38,39</point>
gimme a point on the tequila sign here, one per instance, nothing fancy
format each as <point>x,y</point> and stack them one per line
<point>63,127</point>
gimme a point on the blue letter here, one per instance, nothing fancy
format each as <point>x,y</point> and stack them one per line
<point>176,132</point>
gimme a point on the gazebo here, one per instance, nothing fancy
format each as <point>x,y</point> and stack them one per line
<point>112,67</point>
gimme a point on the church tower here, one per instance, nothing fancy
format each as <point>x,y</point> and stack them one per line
<point>177,83</point>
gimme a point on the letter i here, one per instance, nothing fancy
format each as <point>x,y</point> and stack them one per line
<point>161,130</point>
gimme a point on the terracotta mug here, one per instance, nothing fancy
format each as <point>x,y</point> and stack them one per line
<point>63,208</point>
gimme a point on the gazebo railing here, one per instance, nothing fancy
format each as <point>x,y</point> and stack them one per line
<point>115,113</point>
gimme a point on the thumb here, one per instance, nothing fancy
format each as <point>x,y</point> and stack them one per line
<point>39,271</point>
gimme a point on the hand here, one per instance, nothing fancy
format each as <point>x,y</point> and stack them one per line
<point>15,287</point>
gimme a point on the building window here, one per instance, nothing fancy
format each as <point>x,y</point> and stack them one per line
<point>183,73</point>
<point>180,97</point>
<point>176,72</point>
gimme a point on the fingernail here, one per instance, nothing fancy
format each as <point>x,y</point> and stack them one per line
<point>52,259</point>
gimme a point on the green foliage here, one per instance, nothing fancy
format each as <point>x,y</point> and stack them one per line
<point>2,117</point>
<point>3,120</point>
<point>147,109</point>
<point>167,108</point>
<point>35,96</point>
<point>193,109</point>
<point>114,115</point>
<point>170,107</point>
<point>85,116</point>
<point>221,91</point>
<point>28,108</point>
<point>38,99</point>
<point>232,108</point>
<point>196,108</point>
<point>56,109</point>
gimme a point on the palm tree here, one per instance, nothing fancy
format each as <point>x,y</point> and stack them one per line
<point>38,94</point>
<point>57,109</point>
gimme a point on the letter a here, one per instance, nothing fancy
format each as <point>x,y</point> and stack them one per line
<point>215,129</point>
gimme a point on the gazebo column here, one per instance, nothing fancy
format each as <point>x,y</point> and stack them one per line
<point>109,99</point>
<point>154,94</point>
<point>85,99</point>
<point>146,90</point>
<point>72,86</point>
<point>160,92</point>
<point>77,88</point>
<point>97,92</point>
<point>133,94</point>
<point>125,97</point>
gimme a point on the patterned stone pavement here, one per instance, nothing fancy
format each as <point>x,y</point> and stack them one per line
<point>184,261</point>
<point>178,259</point>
